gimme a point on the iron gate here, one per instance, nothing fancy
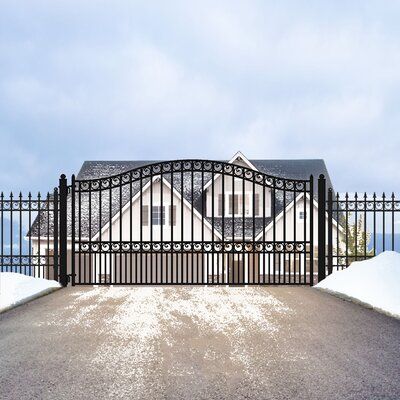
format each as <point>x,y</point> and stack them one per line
<point>190,222</point>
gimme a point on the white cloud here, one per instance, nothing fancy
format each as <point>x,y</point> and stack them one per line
<point>138,80</point>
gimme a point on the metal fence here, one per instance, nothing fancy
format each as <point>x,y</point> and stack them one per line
<point>193,222</point>
<point>21,250</point>
<point>357,227</point>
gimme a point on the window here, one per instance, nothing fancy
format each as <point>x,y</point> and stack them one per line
<point>302,215</point>
<point>172,215</point>
<point>236,204</point>
<point>233,204</point>
<point>145,215</point>
<point>157,213</point>
<point>256,204</point>
<point>220,205</point>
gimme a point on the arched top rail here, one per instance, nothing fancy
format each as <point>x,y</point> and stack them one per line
<point>195,165</point>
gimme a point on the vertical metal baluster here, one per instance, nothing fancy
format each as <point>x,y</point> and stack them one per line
<point>365,226</point>
<point>217,253</point>
<point>263,228</point>
<point>347,227</point>
<point>243,224</point>
<point>91,266</point>
<point>311,209</point>
<point>151,228</point>
<point>192,221</point>
<point>392,221</point>
<point>162,224</point>
<point>172,268</point>
<point>253,280</point>
<point>141,228</point>
<point>182,225</point>
<point>212,230</point>
<point>99,278</point>
<point>20,235</point>
<point>294,234</point>
<point>131,255</point>
<point>48,231</point>
<point>374,221</point>
<point>225,271</point>
<point>273,207</point>
<point>383,221</point>
<point>356,227</point>
<point>233,229</point>
<point>55,235</point>
<point>330,230</point>
<point>38,218</point>
<point>111,267</point>
<point>203,212</point>
<point>80,253</point>
<point>125,280</point>
<point>30,225</point>
<point>337,232</point>
<point>73,216</point>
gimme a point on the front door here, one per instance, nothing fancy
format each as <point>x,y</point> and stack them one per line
<point>236,269</point>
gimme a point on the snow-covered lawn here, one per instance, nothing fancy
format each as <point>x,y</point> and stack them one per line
<point>375,282</point>
<point>16,289</point>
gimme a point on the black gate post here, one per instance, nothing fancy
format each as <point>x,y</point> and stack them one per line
<point>321,227</point>
<point>63,192</point>
<point>330,230</point>
<point>55,236</point>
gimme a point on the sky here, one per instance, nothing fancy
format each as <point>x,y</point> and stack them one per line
<point>125,80</point>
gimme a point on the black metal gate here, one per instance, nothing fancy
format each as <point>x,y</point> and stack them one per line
<point>191,222</point>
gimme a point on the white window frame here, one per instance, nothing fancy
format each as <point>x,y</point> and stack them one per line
<point>302,215</point>
<point>156,213</point>
<point>239,214</point>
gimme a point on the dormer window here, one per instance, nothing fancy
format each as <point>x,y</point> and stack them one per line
<point>236,203</point>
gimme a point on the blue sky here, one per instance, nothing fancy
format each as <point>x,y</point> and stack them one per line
<point>163,80</point>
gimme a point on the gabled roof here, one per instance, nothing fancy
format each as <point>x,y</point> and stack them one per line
<point>290,169</point>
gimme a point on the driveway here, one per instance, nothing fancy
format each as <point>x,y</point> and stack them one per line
<point>197,343</point>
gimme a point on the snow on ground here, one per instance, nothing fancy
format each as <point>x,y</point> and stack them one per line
<point>18,288</point>
<point>148,327</point>
<point>375,282</point>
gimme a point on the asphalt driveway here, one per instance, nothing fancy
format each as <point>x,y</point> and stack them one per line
<point>197,343</point>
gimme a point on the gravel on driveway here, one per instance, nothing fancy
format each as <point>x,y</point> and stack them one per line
<point>279,342</point>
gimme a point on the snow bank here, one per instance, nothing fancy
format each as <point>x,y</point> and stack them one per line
<point>17,288</point>
<point>375,282</point>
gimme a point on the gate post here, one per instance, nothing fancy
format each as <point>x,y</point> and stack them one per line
<point>321,227</point>
<point>63,191</point>
<point>330,230</point>
<point>56,199</point>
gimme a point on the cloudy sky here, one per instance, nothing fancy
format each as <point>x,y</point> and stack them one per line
<point>131,79</point>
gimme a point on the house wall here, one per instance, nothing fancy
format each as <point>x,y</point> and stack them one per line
<point>183,213</point>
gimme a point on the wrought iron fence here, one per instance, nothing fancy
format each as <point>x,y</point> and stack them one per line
<point>358,227</point>
<point>192,222</point>
<point>25,248</point>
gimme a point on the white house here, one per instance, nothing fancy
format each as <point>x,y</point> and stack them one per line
<point>209,209</point>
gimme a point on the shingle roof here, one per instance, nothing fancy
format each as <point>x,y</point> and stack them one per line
<point>290,169</point>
